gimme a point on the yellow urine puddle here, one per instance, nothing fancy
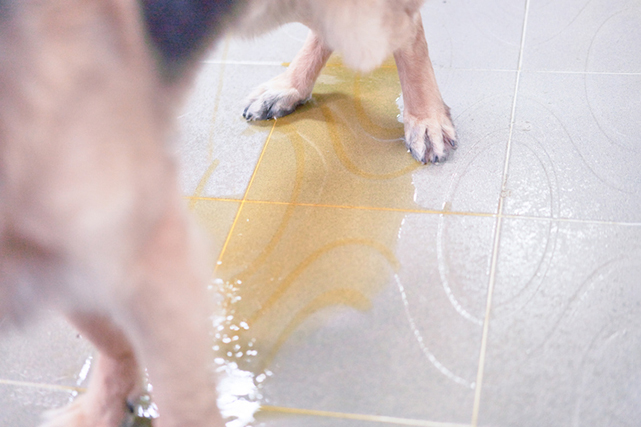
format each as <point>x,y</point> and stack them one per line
<point>293,251</point>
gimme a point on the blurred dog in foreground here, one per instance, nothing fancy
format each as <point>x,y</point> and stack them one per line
<point>92,222</point>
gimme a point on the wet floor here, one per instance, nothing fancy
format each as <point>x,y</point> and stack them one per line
<point>358,288</point>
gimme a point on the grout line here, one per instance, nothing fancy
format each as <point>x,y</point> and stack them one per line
<point>497,230</point>
<point>486,321</point>
<point>423,211</point>
<point>508,149</point>
<point>364,208</point>
<point>574,220</point>
<point>213,163</point>
<point>436,66</point>
<point>595,73</point>
<point>361,417</point>
<point>203,182</point>
<point>244,200</point>
<point>42,385</point>
<point>214,115</point>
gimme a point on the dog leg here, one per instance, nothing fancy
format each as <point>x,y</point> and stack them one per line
<point>162,314</point>
<point>429,132</point>
<point>115,377</point>
<point>282,94</point>
<point>167,315</point>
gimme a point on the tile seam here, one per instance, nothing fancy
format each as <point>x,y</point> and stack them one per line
<point>497,232</point>
<point>244,200</point>
<point>219,90</point>
<point>424,211</point>
<point>360,417</point>
<point>589,73</point>
<point>437,67</point>
<point>30,384</point>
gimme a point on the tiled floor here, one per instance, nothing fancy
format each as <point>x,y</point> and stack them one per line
<point>502,288</point>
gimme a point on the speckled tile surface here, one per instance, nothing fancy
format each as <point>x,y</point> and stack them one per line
<point>502,288</point>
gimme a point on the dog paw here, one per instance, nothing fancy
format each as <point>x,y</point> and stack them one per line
<point>430,139</point>
<point>273,99</point>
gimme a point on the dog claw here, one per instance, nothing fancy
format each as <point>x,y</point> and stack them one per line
<point>273,99</point>
<point>423,150</point>
<point>430,140</point>
<point>271,108</point>
<point>418,156</point>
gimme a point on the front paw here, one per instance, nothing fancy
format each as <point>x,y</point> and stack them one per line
<point>273,99</point>
<point>430,139</point>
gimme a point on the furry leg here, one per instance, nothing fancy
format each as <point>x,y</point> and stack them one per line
<point>429,132</point>
<point>115,378</point>
<point>168,315</point>
<point>281,95</point>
